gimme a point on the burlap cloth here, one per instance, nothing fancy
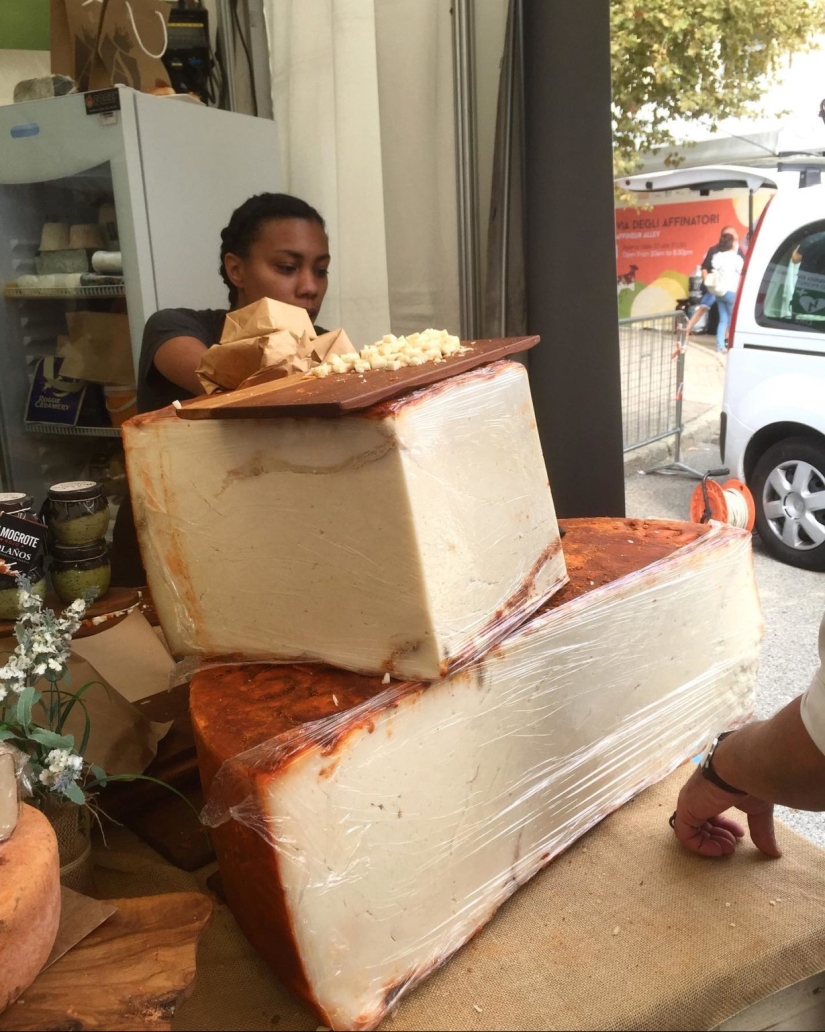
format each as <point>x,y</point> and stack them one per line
<point>624,931</point>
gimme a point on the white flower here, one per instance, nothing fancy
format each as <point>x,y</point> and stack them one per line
<point>13,674</point>
<point>62,768</point>
<point>43,641</point>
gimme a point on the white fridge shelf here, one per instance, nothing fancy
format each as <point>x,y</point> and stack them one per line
<point>11,290</point>
<point>72,431</point>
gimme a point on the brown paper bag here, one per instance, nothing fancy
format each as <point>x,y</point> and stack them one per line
<point>265,341</point>
<point>130,46</point>
<point>226,366</point>
<point>74,27</point>
<point>99,348</point>
<point>333,342</point>
<point>122,741</point>
<point>276,356</point>
<point>263,317</point>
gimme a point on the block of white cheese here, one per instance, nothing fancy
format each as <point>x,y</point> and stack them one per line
<point>365,833</point>
<point>406,538</point>
<point>8,795</point>
<point>52,262</point>
<point>29,902</point>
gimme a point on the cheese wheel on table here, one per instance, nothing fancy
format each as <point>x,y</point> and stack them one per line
<point>29,902</point>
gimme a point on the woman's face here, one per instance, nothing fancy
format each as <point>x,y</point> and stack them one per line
<point>287,261</point>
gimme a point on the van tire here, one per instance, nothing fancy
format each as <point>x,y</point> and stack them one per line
<point>777,466</point>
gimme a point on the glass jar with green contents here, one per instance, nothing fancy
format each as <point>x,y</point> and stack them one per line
<point>77,512</point>
<point>9,592</point>
<point>15,503</point>
<point>78,569</point>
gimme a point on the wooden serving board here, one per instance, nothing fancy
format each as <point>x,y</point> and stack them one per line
<point>106,612</point>
<point>339,393</point>
<point>129,975</point>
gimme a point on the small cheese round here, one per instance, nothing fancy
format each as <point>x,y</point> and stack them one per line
<point>29,902</point>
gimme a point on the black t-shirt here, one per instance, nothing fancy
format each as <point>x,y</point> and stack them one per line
<point>154,391</point>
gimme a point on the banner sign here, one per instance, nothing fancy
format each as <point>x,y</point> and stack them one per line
<point>658,248</point>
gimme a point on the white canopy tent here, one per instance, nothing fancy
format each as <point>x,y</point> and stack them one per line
<point>740,142</point>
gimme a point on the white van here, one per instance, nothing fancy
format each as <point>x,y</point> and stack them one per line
<point>773,414</point>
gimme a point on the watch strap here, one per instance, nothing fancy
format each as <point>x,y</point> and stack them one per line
<point>710,774</point>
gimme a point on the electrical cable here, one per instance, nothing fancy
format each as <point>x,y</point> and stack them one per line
<point>215,78</point>
<point>737,509</point>
<point>219,73</point>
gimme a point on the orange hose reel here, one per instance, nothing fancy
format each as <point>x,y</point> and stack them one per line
<point>717,503</point>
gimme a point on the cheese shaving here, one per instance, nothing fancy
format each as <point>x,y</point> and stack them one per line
<point>394,353</point>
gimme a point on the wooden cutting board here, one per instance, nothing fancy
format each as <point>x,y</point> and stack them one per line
<point>339,393</point>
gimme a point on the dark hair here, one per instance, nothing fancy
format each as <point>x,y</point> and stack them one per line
<point>247,220</point>
<point>726,242</point>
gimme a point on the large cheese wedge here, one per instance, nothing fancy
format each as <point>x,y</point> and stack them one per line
<point>29,902</point>
<point>374,830</point>
<point>406,538</point>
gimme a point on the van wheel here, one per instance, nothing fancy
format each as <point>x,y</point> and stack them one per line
<point>788,486</point>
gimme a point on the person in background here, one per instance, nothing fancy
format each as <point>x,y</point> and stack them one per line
<point>780,761</point>
<point>727,265</point>
<point>275,246</point>
<point>808,299</point>
<point>708,299</point>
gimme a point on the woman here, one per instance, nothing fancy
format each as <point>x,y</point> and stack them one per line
<point>727,266</point>
<point>708,300</point>
<point>274,246</point>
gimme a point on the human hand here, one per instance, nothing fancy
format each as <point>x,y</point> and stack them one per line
<point>701,826</point>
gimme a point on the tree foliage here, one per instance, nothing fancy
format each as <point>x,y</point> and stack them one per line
<point>697,59</point>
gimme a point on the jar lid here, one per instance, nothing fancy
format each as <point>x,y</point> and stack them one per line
<point>79,553</point>
<point>15,501</point>
<point>75,489</point>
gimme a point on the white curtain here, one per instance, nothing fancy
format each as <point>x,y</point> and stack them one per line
<point>362,94</point>
<point>415,82</point>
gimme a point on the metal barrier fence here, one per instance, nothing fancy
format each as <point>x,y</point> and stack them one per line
<point>652,370</point>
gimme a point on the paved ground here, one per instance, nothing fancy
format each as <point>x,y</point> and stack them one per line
<point>793,600</point>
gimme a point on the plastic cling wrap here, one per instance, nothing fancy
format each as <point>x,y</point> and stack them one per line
<point>407,538</point>
<point>365,831</point>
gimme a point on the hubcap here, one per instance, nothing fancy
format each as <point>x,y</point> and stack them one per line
<point>793,501</point>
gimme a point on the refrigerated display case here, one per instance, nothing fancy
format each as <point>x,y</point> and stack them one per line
<point>162,175</point>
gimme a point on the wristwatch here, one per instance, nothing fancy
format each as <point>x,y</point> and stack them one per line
<point>708,772</point>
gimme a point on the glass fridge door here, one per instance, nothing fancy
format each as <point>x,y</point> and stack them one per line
<point>65,351</point>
